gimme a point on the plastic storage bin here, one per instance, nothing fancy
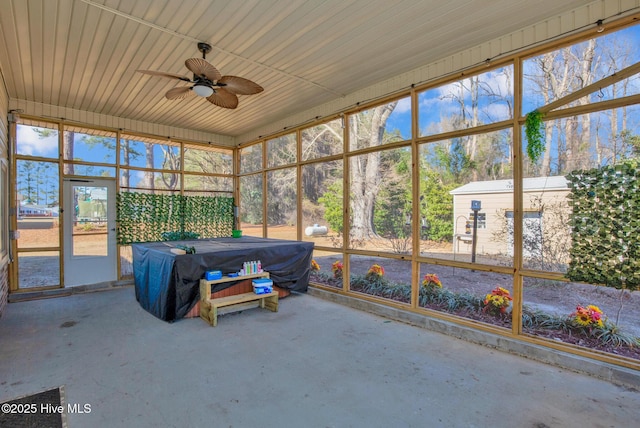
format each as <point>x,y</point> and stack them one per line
<point>211,275</point>
<point>262,285</point>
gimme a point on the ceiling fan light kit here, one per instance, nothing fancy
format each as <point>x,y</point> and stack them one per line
<point>208,82</point>
<point>202,90</point>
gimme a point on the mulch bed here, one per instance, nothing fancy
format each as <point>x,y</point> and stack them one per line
<point>505,322</point>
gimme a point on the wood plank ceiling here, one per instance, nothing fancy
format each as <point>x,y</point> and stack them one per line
<point>83,54</point>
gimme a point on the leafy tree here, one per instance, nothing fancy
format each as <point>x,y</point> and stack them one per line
<point>393,204</point>
<point>204,162</point>
<point>251,199</point>
<point>27,177</point>
<point>332,201</point>
<point>452,160</point>
<point>625,145</point>
<point>251,185</point>
<point>282,150</point>
<point>281,196</point>
<point>436,206</point>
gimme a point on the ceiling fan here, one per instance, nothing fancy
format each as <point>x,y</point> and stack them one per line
<point>207,82</point>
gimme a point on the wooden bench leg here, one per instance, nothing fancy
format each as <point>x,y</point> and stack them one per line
<point>270,303</point>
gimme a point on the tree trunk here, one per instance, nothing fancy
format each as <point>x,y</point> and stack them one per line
<point>547,90</point>
<point>581,144</point>
<point>124,182</point>
<point>67,151</point>
<point>148,175</point>
<point>365,172</point>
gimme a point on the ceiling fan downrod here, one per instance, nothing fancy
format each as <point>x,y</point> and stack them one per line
<point>205,48</point>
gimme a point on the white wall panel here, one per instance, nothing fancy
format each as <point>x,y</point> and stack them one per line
<point>4,126</point>
<point>4,142</point>
<point>99,120</point>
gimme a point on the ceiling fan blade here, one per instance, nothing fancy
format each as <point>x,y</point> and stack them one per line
<point>163,74</point>
<point>179,93</point>
<point>223,98</point>
<point>201,67</point>
<point>240,86</point>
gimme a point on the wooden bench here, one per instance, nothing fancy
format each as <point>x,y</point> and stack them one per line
<point>209,307</point>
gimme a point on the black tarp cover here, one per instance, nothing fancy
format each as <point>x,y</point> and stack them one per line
<point>167,285</point>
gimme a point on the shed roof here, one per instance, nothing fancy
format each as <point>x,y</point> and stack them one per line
<point>533,184</point>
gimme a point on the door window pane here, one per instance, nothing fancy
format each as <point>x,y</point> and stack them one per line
<point>90,221</point>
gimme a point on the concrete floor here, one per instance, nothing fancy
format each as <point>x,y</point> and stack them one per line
<point>315,363</point>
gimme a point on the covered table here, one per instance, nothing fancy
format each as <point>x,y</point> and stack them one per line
<point>167,284</point>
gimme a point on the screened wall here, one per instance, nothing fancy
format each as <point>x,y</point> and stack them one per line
<point>434,201</point>
<point>49,154</point>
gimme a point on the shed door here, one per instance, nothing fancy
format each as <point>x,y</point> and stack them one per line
<point>531,233</point>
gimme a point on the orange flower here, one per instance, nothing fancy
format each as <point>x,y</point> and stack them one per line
<point>588,316</point>
<point>336,268</point>
<point>430,280</point>
<point>497,300</point>
<point>376,270</point>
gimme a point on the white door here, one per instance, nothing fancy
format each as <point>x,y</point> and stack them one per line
<point>531,233</point>
<point>89,231</point>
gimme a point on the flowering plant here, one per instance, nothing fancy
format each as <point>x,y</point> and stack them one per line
<point>336,268</point>
<point>375,271</point>
<point>497,301</point>
<point>589,316</point>
<point>431,280</point>
<point>315,267</point>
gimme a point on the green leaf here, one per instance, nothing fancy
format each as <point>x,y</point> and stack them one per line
<point>534,127</point>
